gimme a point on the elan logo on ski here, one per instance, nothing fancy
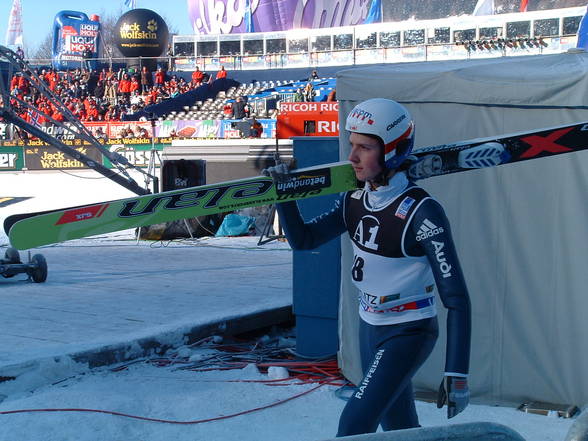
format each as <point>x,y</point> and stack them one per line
<point>80,214</point>
<point>305,181</point>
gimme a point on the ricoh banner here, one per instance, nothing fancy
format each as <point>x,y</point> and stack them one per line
<point>237,16</point>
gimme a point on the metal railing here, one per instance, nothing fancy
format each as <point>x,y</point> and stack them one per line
<point>109,62</point>
<point>315,59</point>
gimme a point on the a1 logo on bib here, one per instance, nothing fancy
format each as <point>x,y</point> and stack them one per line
<point>366,232</point>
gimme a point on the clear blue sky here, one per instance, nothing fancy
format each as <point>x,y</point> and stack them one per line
<point>38,15</point>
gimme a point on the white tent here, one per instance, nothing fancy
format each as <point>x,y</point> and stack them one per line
<point>521,230</point>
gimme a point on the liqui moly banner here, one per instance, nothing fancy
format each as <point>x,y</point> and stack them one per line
<point>237,16</point>
<point>73,35</point>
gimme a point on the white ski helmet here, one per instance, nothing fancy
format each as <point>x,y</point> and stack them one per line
<point>389,121</point>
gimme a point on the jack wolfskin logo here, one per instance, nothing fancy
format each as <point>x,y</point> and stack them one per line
<point>152,25</point>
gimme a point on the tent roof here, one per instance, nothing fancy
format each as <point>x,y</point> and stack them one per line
<point>559,80</point>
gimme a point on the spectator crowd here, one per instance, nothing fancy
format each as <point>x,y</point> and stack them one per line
<point>104,95</point>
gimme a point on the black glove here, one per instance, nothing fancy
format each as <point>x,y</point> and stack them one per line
<point>279,172</point>
<point>455,392</point>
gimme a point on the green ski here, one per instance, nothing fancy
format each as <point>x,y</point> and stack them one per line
<point>37,229</point>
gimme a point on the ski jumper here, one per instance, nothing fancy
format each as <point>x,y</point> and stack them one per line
<point>403,253</point>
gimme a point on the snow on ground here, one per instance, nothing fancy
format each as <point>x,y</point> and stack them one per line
<point>168,393</point>
<point>184,396</point>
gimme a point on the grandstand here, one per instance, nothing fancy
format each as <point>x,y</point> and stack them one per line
<point>464,37</point>
<point>261,97</point>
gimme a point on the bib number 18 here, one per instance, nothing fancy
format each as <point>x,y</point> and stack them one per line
<point>357,270</point>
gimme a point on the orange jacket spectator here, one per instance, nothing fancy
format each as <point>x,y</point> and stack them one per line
<point>14,82</point>
<point>92,114</point>
<point>52,79</point>
<point>86,104</point>
<point>124,85</point>
<point>57,116</point>
<point>134,85</point>
<point>23,84</point>
<point>197,76</point>
<point>152,96</point>
<point>222,73</point>
<point>159,77</point>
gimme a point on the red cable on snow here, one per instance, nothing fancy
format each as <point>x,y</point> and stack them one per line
<point>324,372</point>
<point>156,420</point>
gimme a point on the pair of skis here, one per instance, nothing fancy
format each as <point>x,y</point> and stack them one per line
<point>36,229</point>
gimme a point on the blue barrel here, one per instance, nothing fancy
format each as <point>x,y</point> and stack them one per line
<point>73,34</point>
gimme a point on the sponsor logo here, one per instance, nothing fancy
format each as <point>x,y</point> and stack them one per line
<point>366,380</point>
<point>440,255</point>
<point>89,30</point>
<point>52,160</point>
<point>59,132</point>
<point>68,30</point>
<point>362,115</point>
<point>231,196</point>
<point>133,32</point>
<point>8,160</point>
<point>404,206</point>
<point>396,122</point>
<point>79,43</point>
<point>139,158</point>
<point>366,232</point>
<point>327,127</point>
<point>428,229</point>
<point>180,183</point>
<point>357,194</point>
<point>305,181</point>
<point>309,107</point>
<point>539,144</point>
<point>81,214</point>
<point>152,25</point>
<point>389,298</point>
<point>298,195</point>
<point>222,17</point>
<point>369,299</point>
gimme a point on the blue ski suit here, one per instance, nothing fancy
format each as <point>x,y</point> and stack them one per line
<point>403,252</point>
